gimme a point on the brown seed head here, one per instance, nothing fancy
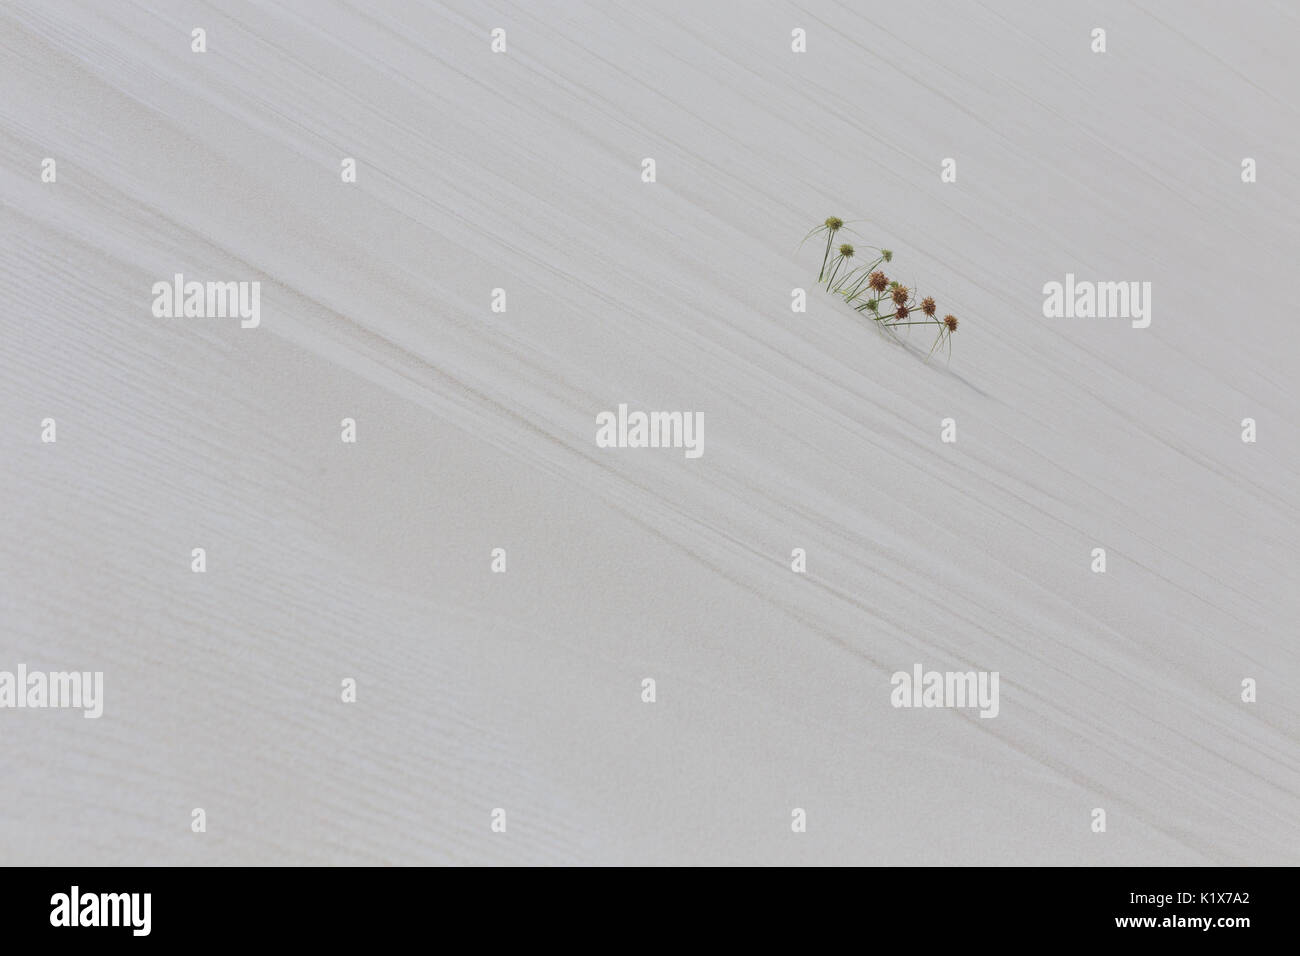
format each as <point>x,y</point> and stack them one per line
<point>877,281</point>
<point>927,305</point>
<point>951,322</point>
<point>900,294</point>
<point>846,251</point>
<point>902,312</point>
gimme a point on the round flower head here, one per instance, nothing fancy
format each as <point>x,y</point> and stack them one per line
<point>927,305</point>
<point>887,255</point>
<point>900,294</point>
<point>951,322</point>
<point>873,305</point>
<point>902,312</point>
<point>877,281</point>
<point>834,223</point>
<point>846,251</point>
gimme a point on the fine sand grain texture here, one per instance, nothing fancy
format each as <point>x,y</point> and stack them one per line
<point>476,430</point>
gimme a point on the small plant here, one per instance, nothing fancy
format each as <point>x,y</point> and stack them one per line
<point>870,291</point>
<point>832,225</point>
<point>846,253</point>
<point>862,277</point>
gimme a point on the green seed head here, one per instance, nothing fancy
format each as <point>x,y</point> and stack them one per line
<point>873,305</point>
<point>834,223</point>
<point>846,251</point>
<point>887,255</point>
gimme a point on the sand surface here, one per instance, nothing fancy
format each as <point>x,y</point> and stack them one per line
<point>476,430</point>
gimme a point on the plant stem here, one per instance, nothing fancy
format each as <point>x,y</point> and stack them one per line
<point>839,261</point>
<point>830,237</point>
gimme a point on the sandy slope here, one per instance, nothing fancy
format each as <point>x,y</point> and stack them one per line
<point>477,431</point>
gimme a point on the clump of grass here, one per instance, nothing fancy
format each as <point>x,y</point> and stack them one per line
<point>871,292</point>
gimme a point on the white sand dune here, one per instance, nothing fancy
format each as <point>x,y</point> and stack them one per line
<point>476,430</point>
